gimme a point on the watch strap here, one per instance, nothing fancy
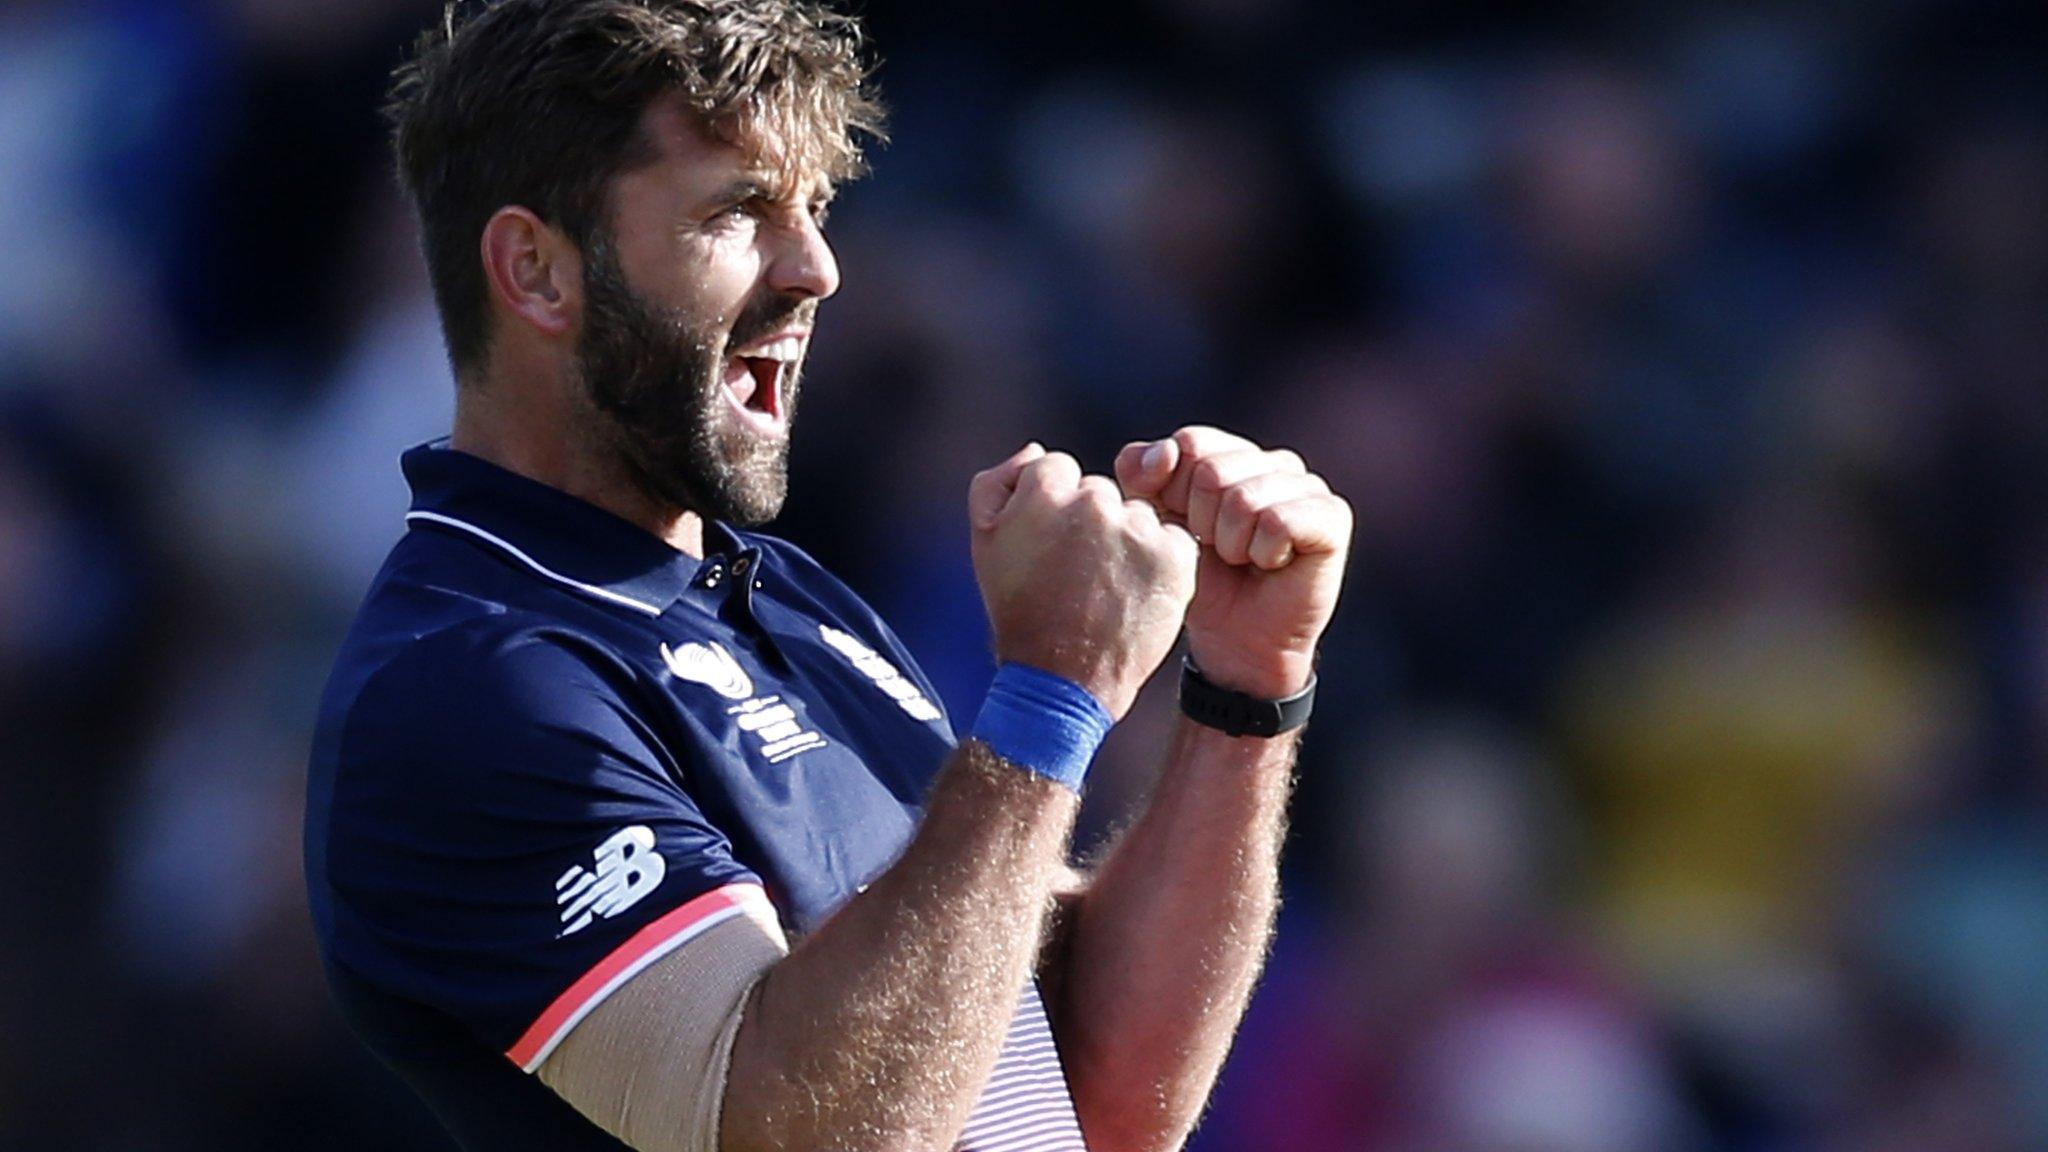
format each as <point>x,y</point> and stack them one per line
<point>1239,714</point>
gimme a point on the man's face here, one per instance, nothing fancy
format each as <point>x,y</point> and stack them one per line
<point>698,306</point>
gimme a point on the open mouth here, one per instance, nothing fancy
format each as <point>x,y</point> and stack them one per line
<point>756,387</point>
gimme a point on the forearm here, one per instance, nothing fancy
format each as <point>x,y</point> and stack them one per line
<point>879,1030</point>
<point>1159,955</point>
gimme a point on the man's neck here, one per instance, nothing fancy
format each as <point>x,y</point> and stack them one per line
<point>549,449</point>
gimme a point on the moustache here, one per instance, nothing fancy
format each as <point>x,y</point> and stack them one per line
<point>769,315</point>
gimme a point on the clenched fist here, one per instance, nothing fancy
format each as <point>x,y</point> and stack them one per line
<point>1274,544</point>
<point>1078,580</point>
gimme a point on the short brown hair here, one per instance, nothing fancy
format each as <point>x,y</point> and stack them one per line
<point>538,103</point>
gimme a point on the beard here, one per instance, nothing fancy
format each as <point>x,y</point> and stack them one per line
<point>654,380</point>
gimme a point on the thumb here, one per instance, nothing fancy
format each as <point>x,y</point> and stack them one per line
<point>1144,467</point>
<point>991,490</point>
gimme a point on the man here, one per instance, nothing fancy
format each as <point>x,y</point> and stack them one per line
<point>630,825</point>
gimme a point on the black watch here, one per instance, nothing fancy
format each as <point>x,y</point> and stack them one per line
<point>1237,713</point>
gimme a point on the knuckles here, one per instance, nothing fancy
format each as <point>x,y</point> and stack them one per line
<point>1055,495</point>
<point>1207,475</point>
<point>1239,501</point>
<point>1101,494</point>
<point>1050,472</point>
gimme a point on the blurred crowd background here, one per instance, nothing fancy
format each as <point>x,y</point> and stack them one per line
<point>1680,779</point>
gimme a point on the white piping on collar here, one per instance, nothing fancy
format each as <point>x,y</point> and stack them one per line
<point>604,594</point>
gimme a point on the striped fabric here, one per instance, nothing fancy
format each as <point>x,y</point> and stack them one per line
<point>1025,1107</point>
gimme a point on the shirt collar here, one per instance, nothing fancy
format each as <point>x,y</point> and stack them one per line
<point>556,535</point>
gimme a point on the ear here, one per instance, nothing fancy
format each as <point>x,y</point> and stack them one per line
<point>535,274</point>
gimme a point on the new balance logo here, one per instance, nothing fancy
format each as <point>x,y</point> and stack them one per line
<point>875,667</point>
<point>710,665</point>
<point>626,870</point>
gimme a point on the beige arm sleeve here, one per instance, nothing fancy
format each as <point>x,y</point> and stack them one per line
<point>649,1064</point>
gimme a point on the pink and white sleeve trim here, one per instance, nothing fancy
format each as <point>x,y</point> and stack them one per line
<point>649,944</point>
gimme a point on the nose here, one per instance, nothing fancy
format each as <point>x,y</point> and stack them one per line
<point>805,265</point>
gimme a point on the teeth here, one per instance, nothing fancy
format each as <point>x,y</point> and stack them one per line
<point>784,350</point>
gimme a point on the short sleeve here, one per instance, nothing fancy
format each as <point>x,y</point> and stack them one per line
<point>509,838</point>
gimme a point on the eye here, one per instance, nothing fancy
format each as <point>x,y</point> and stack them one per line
<point>821,212</point>
<point>732,214</point>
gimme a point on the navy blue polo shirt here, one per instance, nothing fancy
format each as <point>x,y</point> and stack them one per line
<point>553,749</point>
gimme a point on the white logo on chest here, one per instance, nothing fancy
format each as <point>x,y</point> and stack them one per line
<point>776,731</point>
<point>627,868</point>
<point>710,665</point>
<point>871,664</point>
<point>776,727</point>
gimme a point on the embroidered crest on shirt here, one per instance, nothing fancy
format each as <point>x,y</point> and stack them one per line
<point>875,667</point>
<point>710,665</point>
<point>627,868</point>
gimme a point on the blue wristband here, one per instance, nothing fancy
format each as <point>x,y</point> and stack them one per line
<point>1042,722</point>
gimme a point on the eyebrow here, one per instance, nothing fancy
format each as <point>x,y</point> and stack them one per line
<point>741,189</point>
<point>756,187</point>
